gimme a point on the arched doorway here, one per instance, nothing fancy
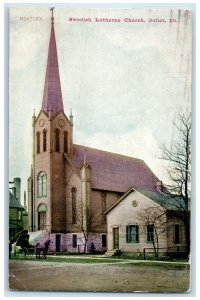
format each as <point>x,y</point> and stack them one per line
<point>42,211</point>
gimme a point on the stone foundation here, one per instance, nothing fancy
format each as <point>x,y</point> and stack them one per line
<point>74,243</point>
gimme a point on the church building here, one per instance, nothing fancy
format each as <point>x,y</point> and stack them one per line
<point>72,186</point>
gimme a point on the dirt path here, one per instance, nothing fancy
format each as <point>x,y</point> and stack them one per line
<point>53,276</point>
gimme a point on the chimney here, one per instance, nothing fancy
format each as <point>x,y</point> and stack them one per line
<point>14,191</point>
<point>17,187</point>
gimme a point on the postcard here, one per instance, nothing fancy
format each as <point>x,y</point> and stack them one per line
<point>100,149</point>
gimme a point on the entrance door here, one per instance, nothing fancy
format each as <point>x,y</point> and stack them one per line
<point>42,209</point>
<point>116,238</point>
<point>58,242</point>
<point>41,220</point>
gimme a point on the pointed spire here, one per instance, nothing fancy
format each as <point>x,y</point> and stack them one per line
<point>71,118</point>
<point>33,118</point>
<point>52,98</point>
<point>49,111</point>
<point>85,157</point>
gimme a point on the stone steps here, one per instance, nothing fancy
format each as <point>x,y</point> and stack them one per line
<point>111,252</point>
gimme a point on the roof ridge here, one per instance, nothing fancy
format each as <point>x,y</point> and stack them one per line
<point>109,152</point>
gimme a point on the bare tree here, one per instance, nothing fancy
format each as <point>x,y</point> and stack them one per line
<point>179,170</point>
<point>154,216</point>
<point>84,224</point>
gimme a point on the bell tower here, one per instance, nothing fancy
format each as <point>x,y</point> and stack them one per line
<point>52,141</point>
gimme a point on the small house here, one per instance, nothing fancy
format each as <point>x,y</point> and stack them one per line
<point>145,221</point>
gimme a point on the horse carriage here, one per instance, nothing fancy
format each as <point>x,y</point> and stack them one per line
<point>20,245</point>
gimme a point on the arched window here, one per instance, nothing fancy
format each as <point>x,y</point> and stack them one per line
<point>42,184</point>
<point>44,140</point>
<point>38,142</point>
<point>57,140</point>
<point>42,209</point>
<point>103,206</point>
<point>73,191</point>
<point>65,142</point>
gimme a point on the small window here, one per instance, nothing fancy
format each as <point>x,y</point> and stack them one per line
<point>57,140</point>
<point>42,184</point>
<point>44,140</point>
<point>132,234</point>
<point>73,191</point>
<point>42,208</point>
<point>150,233</point>
<point>38,142</point>
<point>104,241</point>
<point>177,234</point>
<point>65,142</point>
<point>103,206</point>
<point>74,241</point>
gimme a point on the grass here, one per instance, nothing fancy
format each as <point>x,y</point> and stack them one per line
<point>154,264</point>
<point>139,256</point>
<point>76,260</point>
<point>120,261</point>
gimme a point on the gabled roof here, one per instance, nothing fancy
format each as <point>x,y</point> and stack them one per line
<point>167,201</point>
<point>13,202</point>
<point>131,190</point>
<point>114,172</point>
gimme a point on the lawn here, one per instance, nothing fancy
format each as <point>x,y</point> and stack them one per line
<point>97,259</point>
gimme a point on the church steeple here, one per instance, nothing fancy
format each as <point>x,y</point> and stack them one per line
<point>52,98</point>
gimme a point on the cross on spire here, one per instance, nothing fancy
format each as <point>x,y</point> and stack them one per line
<point>52,18</point>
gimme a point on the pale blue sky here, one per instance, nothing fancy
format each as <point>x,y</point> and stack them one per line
<point>123,81</point>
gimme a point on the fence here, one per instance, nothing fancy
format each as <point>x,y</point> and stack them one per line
<point>178,251</point>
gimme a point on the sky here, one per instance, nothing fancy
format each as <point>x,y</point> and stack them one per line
<point>124,81</point>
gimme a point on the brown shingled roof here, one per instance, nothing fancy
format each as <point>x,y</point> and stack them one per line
<point>114,172</point>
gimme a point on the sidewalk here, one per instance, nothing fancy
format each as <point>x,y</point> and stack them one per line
<point>122,260</point>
